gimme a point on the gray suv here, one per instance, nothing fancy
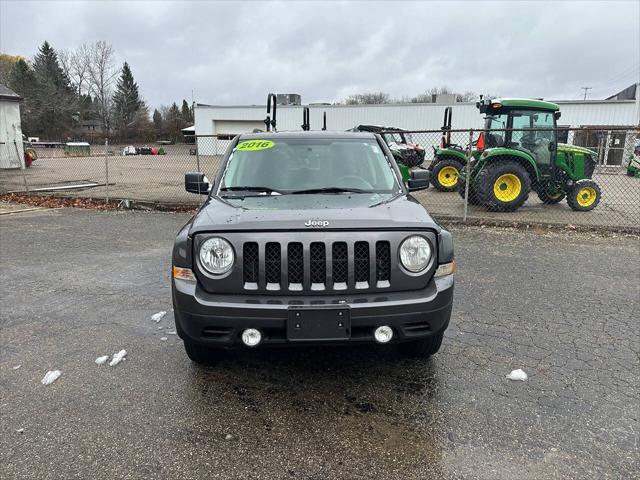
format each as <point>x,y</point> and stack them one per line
<point>311,238</point>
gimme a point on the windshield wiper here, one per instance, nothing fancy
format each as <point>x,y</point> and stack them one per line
<point>387,200</point>
<point>331,190</point>
<point>251,189</point>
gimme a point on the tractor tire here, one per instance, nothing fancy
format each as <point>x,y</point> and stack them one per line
<point>200,354</point>
<point>504,186</point>
<point>584,195</point>
<point>424,347</point>
<point>550,198</point>
<point>445,174</point>
<point>473,196</point>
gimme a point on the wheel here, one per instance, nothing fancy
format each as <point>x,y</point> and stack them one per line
<point>473,196</point>
<point>200,354</point>
<point>413,158</point>
<point>584,195</point>
<point>424,347</point>
<point>445,174</point>
<point>504,186</point>
<point>551,197</point>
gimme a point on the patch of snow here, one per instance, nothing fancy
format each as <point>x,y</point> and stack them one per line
<point>17,367</point>
<point>50,377</point>
<point>117,358</point>
<point>20,430</point>
<point>228,436</point>
<point>172,332</point>
<point>518,375</point>
<point>164,339</point>
<point>101,360</point>
<point>160,327</point>
<point>156,317</point>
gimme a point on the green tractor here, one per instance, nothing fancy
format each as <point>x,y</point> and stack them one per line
<point>518,152</point>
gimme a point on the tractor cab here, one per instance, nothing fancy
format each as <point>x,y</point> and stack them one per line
<point>506,124</point>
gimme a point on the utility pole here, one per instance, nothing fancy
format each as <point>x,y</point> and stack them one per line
<point>586,89</point>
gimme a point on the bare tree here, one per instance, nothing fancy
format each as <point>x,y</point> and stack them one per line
<point>368,98</point>
<point>76,64</point>
<point>101,75</point>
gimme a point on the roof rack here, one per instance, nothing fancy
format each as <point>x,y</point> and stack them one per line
<point>306,125</point>
<point>270,123</point>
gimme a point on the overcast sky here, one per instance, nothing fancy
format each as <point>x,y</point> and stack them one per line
<point>235,53</point>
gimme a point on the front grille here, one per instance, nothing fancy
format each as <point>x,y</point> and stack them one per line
<point>250,261</point>
<point>305,266</point>
<point>340,263</point>
<point>295,263</point>
<point>383,261</point>
<point>318,262</point>
<point>361,264</point>
<point>272,265</point>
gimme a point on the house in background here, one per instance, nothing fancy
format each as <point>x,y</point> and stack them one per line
<point>11,148</point>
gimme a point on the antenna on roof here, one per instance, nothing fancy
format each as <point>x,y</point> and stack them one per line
<point>269,122</point>
<point>305,119</point>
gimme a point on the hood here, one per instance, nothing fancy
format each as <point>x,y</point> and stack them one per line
<point>292,212</point>
<point>574,148</point>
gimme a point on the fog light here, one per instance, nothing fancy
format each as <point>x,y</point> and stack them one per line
<point>383,334</point>
<point>251,337</point>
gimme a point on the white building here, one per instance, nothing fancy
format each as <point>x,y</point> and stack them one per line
<point>11,150</point>
<point>226,121</point>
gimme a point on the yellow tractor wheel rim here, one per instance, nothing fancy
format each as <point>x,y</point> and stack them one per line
<point>448,176</point>
<point>586,196</point>
<point>507,187</point>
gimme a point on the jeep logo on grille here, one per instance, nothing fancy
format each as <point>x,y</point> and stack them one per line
<point>316,223</point>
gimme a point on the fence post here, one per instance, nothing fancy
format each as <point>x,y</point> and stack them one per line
<point>466,178</point>
<point>198,165</point>
<point>106,167</point>
<point>23,167</point>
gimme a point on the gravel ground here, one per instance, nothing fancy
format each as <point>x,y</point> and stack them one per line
<point>79,284</point>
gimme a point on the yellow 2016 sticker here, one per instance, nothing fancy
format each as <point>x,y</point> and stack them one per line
<point>253,145</point>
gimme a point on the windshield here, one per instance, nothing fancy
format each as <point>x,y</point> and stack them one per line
<point>294,165</point>
<point>392,138</point>
<point>495,121</point>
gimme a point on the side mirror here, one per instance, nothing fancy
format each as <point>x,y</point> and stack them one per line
<point>196,182</point>
<point>552,147</point>
<point>557,115</point>
<point>419,180</point>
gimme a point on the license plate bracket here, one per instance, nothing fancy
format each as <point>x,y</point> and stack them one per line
<point>318,323</point>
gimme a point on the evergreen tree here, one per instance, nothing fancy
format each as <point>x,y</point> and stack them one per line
<point>174,121</point>
<point>126,100</point>
<point>54,100</point>
<point>22,80</point>
<point>187,116</point>
<point>157,123</point>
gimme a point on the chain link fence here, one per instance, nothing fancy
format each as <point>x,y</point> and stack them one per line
<point>507,189</point>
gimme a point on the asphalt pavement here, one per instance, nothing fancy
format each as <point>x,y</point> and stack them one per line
<point>79,284</point>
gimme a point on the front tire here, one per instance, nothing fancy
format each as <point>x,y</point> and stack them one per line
<point>445,174</point>
<point>423,348</point>
<point>200,354</point>
<point>504,186</point>
<point>584,196</point>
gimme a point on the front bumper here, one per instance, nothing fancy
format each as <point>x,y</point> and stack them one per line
<point>218,320</point>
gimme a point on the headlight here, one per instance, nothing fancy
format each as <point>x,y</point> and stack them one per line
<point>415,253</point>
<point>216,255</point>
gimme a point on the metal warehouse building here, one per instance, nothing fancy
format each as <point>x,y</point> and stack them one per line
<point>228,121</point>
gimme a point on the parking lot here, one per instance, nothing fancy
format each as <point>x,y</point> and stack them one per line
<point>78,284</point>
<point>160,179</point>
